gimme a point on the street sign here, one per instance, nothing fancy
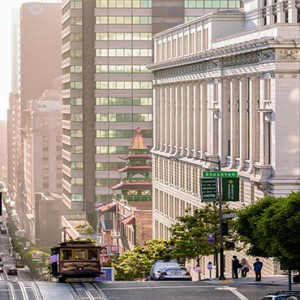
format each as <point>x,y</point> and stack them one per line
<point>209,189</point>
<point>230,189</point>
<point>220,174</point>
<point>211,238</point>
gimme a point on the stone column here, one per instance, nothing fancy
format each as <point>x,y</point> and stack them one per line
<point>162,117</point>
<point>178,117</point>
<point>197,119</point>
<point>184,117</point>
<point>254,124</point>
<point>203,117</point>
<point>190,119</point>
<point>167,118</point>
<point>172,118</point>
<point>243,132</point>
<point>234,92</point>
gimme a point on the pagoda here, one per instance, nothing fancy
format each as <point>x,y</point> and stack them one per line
<point>137,183</point>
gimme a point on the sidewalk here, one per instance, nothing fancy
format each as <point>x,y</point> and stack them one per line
<point>276,280</point>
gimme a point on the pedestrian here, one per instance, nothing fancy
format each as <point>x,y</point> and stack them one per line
<point>235,266</point>
<point>257,266</point>
<point>53,263</point>
<point>245,267</point>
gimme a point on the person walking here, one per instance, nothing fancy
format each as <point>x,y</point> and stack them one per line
<point>235,266</point>
<point>245,267</point>
<point>257,267</point>
<point>53,263</point>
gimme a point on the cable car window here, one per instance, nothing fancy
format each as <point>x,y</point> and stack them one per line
<point>79,254</point>
<point>92,255</point>
<point>66,254</point>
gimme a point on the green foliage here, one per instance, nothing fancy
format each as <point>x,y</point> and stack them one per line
<point>190,233</point>
<point>135,264</point>
<point>271,228</point>
<point>85,229</point>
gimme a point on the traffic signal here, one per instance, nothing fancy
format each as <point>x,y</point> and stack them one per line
<point>224,228</point>
<point>229,245</point>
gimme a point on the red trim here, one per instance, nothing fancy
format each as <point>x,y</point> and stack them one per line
<point>107,207</point>
<point>129,220</point>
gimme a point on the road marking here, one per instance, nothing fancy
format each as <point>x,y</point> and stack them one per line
<point>234,291</point>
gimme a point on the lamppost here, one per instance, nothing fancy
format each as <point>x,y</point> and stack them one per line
<point>218,163</point>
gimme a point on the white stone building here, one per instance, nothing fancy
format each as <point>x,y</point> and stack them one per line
<point>227,88</point>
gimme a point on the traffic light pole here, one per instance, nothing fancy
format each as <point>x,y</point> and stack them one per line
<point>221,277</point>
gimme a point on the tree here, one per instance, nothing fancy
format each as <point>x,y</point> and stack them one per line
<point>135,264</point>
<point>190,233</point>
<point>271,229</point>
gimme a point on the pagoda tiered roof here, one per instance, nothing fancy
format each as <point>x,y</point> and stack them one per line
<point>136,157</point>
<point>135,169</point>
<point>132,185</point>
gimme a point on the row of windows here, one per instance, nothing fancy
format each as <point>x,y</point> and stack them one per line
<point>123,20</point>
<point>104,166</point>
<point>123,117</point>
<point>72,5</point>
<point>72,69</point>
<point>124,85</point>
<point>72,101</point>
<point>124,3</point>
<point>106,182</point>
<point>112,150</point>
<point>212,4</point>
<point>121,69</point>
<point>73,37</point>
<point>123,52</point>
<point>72,53</point>
<point>123,36</point>
<point>123,101</point>
<point>120,133</point>
<point>75,85</point>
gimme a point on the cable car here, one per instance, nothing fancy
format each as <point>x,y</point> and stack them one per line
<point>75,259</point>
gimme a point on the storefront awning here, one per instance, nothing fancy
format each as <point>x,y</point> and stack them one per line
<point>107,207</point>
<point>129,220</point>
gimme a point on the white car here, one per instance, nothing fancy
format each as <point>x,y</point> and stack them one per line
<point>283,295</point>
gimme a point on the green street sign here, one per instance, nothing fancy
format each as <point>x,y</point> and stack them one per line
<point>209,189</point>
<point>220,174</point>
<point>230,189</point>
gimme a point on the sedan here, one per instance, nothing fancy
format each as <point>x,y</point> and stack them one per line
<point>12,271</point>
<point>175,273</point>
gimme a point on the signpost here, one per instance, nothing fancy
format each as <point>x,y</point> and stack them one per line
<point>220,174</point>
<point>230,189</point>
<point>209,189</point>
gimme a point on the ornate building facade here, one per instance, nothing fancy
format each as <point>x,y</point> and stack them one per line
<point>229,94</point>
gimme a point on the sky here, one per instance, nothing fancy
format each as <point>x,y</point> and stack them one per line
<point>5,57</point>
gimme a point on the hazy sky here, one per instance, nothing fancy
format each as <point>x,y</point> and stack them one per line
<point>5,58</point>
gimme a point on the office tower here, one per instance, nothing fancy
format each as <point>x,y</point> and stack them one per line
<point>39,64</point>
<point>107,89</point>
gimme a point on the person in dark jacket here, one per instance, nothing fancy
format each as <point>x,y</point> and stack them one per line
<point>257,266</point>
<point>235,266</point>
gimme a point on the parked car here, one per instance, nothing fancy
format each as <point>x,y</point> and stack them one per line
<point>158,266</point>
<point>1,269</point>
<point>19,264</point>
<point>175,273</point>
<point>283,295</point>
<point>12,271</point>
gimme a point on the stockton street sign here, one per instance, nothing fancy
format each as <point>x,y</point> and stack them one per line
<point>220,174</point>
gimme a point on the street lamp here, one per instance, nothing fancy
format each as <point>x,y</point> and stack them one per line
<point>218,163</point>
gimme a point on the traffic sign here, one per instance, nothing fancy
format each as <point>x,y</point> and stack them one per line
<point>230,189</point>
<point>209,189</point>
<point>220,174</point>
<point>211,238</point>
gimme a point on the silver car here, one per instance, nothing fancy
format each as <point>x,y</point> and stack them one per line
<point>175,273</point>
